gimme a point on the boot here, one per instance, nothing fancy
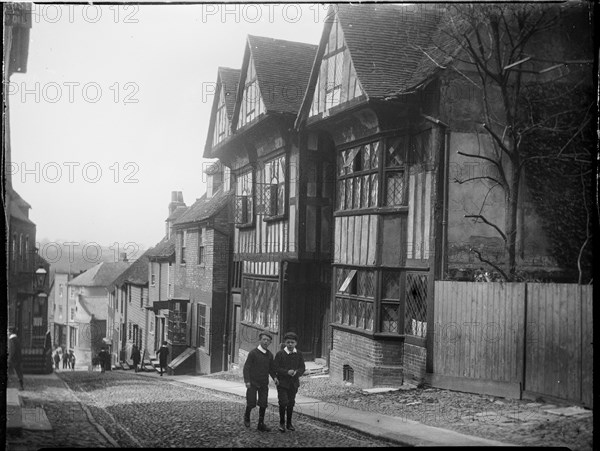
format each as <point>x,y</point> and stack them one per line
<point>282,418</point>
<point>289,425</point>
<point>21,388</point>
<point>261,420</point>
<point>247,417</point>
<point>262,427</point>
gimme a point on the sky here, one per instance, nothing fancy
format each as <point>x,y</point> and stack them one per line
<point>113,111</point>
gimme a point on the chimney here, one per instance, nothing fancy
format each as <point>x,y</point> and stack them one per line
<point>176,201</point>
<point>123,257</point>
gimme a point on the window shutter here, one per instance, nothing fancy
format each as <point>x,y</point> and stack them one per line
<point>188,322</point>
<point>194,325</point>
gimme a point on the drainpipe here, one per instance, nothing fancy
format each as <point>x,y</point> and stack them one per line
<point>444,244</point>
<point>445,181</point>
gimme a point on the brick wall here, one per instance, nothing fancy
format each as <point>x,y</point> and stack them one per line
<point>375,362</point>
<point>414,363</point>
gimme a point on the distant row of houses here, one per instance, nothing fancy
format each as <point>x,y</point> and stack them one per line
<point>329,212</point>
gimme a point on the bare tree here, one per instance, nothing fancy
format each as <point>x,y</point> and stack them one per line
<point>496,47</point>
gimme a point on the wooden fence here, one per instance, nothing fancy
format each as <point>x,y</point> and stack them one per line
<point>514,339</point>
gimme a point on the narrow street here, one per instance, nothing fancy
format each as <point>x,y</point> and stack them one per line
<point>145,411</point>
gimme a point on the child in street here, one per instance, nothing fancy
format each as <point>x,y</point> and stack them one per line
<point>162,354</point>
<point>257,369</point>
<point>289,366</point>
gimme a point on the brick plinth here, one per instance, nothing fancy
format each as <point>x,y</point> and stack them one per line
<point>375,363</point>
<point>414,363</point>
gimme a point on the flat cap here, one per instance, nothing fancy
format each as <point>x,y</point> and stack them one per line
<point>290,336</point>
<point>267,333</point>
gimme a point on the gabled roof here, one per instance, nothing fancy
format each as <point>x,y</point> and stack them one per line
<point>228,79</point>
<point>164,249</point>
<point>17,204</point>
<point>95,306</point>
<point>204,208</point>
<point>179,210</point>
<point>386,43</point>
<point>137,273</point>
<point>101,275</point>
<point>282,71</point>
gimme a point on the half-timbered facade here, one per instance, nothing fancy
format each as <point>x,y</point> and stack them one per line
<point>385,188</point>
<point>283,201</point>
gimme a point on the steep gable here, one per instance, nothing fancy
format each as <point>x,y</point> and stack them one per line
<point>274,76</point>
<point>222,110</point>
<point>379,49</point>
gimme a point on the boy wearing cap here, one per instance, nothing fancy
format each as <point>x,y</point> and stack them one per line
<point>289,366</point>
<point>257,369</point>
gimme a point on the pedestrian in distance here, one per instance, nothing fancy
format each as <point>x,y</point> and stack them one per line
<point>135,356</point>
<point>65,359</point>
<point>56,359</point>
<point>289,366</point>
<point>257,369</point>
<point>72,359</point>
<point>104,359</point>
<point>162,354</point>
<point>14,356</point>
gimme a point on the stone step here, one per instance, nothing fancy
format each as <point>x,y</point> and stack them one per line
<point>14,420</point>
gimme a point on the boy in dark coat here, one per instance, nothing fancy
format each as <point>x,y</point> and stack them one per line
<point>14,356</point>
<point>162,354</point>
<point>257,369</point>
<point>104,358</point>
<point>135,356</point>
<point>289,366</point>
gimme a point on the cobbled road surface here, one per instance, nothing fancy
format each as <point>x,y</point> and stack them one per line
<point>142,411</point>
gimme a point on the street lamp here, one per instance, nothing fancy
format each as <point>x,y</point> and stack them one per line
<point>40,279</point>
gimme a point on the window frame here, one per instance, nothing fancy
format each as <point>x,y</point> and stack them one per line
<point>202,326</point>
<point>201,255</point>
<point>245,199</point>
<point>273,210</point>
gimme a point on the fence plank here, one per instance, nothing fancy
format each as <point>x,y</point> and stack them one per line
<point>587,354</point>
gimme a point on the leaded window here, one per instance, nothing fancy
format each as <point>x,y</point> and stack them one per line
<point>390,301</point>
<point>355,293</point>
<point>416,304</point>
<point>358,177</point>
<point>260,302</point>
<point>395,171</point>
<point>244,213</point>
<point>274,187</point>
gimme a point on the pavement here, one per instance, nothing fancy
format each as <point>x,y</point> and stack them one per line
<point>400,430</point>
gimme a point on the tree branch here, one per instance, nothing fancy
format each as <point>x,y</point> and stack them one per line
<point>498,140</point>
<point>488,223</point>
<point>484,260</point>
<point>460,182</point>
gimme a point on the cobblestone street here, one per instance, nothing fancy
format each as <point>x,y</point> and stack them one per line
<point>142,411</point>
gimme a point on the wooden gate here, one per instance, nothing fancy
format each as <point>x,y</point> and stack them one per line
<point>559,355</point>
<point>514,339</point>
